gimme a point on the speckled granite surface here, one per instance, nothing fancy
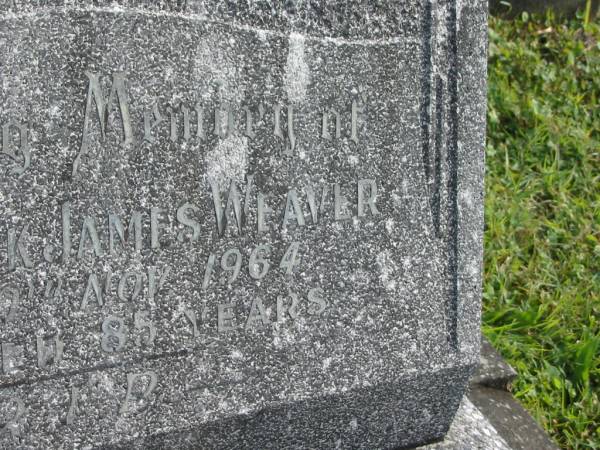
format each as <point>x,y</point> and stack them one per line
<point>232,224</point>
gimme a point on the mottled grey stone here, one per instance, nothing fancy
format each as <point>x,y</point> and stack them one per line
<point>493,371</point>
<point>239,224</point>
<point>470,430</point>
<point>510,419</point>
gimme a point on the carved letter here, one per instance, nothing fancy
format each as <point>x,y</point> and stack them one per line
<point>154,227</point>
<point>338,126</point>
<point>233,204</point>
<point>290,127</point>
<point>293,211</point>
<point>137,286</point>
<point>92,285</point>
<point>186,123</point>
<point>218,130</point>
<point>115,227</point>
<point>191,316</point>
<point>141,321</point>
<point>54,292</point>
<point>292,310</point>
<point>257,313</point>
<point>182,217</point>
<point>200,118</point>
<point>290,130</point>
<point>23,146</point>
<point>102,106</point>
<point>356,110</point>
<point>173,125</point>
<point>315,208</point>
<point>88,229</point>
<point>145,395</point>
<point>73,406</point>
<point>368,200</point>
<point>315,295</point>
<point>12,426</point>
<point>12,357</point>
<point>16,245</point>
<point>339,202</point>
<point>153,289</point>
<point>149,125</point>
<point>249,126</point>
<point>277,121</point>
<point>66,231</point>
<point>14,296</point>
<point>225,317</point>
<point>49,351</point>
<point>262,211</point>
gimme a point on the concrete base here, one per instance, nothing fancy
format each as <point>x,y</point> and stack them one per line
<point>489,417</point>
<point>470,430</point>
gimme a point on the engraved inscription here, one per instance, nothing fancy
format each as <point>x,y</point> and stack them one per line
<point>12,357</point>
<point>114,336</point>
<point>16,148</point>
<point>73,406</point>
<point>227,119</point>
<point>9,303</point>
<point>140,387</point>
<point>17,249</point>
<point>146,329</point>
<point>49,350</point>
<point>95,95</point>
<point>15,409</point>
<point>81,258</point>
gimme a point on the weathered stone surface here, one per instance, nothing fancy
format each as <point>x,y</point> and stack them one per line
<point>508,417</point>
<point>470,430</point>
<point>234,226</point>
<point>493,371</point>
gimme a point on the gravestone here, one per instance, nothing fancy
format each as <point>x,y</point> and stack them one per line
<point>239,224</point>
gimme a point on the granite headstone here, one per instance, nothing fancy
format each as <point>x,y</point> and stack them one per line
<point>239,224</point>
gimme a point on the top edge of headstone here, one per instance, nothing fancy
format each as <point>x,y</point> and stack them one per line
<point>361,19</point>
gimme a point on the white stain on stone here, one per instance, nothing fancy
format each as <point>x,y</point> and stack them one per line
<point>236,354</point>
<point>387,269</point>
<point>297,73</point>
<point>390,225</point>
<point>473,270</point>
<point>262,35</point>
<point>228,161</point>
<point>466,196</point>
<point>326,363</point>
<point>214,62</point>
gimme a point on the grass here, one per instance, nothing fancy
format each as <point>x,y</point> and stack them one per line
<point>542,238</point>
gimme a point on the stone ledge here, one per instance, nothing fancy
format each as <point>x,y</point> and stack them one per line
<point>489,417</point>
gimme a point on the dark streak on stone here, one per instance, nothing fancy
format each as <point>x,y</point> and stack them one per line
<point>452,306</point>
<point>426,70</point>
<point>96,368</point>
<point>439,136</point>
